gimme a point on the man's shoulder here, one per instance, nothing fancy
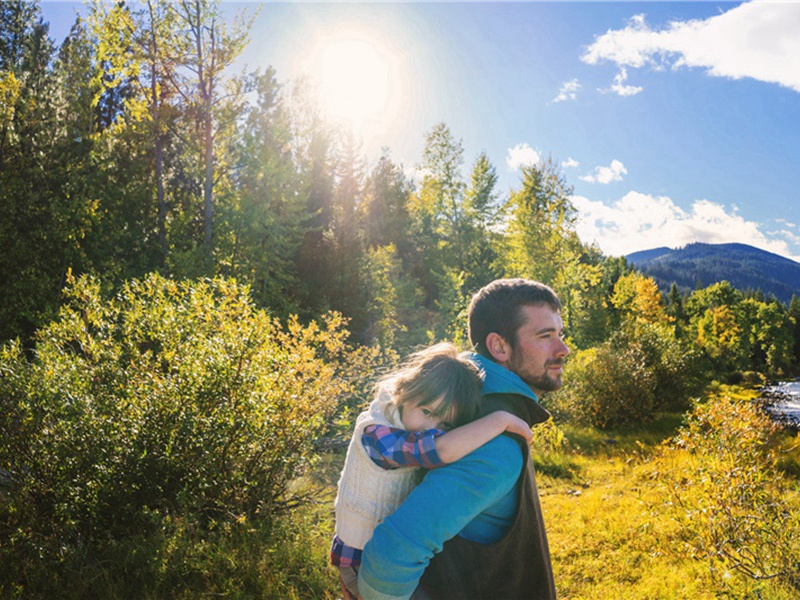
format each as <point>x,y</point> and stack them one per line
<point>526,407</point>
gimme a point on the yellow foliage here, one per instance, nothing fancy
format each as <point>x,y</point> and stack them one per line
<point>617,512</point>
<point>638,297</point>
<point>9,95</point>
<point>718,332</point>
<point>734,507</point>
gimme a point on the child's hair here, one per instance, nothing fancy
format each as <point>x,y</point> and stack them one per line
<point>438,372</point>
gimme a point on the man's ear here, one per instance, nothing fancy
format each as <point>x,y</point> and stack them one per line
<point>498,347</point>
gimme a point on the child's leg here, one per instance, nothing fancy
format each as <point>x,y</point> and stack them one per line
<point>348,577</point>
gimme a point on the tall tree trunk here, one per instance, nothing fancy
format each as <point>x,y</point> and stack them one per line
<point>208,187</point>
<point>162,203</point>
<point>155,103</point>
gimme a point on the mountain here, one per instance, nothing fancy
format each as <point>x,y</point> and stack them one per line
<point>700,265</point>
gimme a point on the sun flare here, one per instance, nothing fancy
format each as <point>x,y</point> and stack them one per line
<point>358,81</point>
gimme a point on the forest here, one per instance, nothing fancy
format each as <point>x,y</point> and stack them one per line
<point>200,279</point>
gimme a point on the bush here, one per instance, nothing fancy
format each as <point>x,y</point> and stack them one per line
<point>606,388</point>
<point>678,369</point>
<point>639,370</point>
<point>731,501</point>
<point>169,400</point>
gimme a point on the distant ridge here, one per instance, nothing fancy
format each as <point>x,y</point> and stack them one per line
<point>744,267</point>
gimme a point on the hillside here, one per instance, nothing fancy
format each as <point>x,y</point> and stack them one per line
<point>745,267</point>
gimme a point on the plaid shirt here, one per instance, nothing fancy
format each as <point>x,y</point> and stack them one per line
<point>390,448</point>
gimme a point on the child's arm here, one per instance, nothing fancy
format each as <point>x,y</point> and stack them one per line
<point>392,448</point>
<point>459,442</point>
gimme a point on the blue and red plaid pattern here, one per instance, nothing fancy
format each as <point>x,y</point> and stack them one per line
<point>390,448</point>
<point>343,555</point>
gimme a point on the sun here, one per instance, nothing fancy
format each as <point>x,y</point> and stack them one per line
<point>358,80</point>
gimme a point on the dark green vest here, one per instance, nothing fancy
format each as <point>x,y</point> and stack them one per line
<point>517,566</point>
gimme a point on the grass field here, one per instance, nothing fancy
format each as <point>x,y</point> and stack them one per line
<point>615,530</point>
<point>613,526</point>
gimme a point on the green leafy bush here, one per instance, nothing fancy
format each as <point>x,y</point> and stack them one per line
<point>639,370</point>
<point>607,388</point>
<point>171,400</point>
<point>679,369</point>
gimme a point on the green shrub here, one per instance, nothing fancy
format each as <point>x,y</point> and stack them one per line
<point>550,452</point>
<point>169,400</point>
<point>639,370</point>
<point>678,368</point>
<point>606,388</point>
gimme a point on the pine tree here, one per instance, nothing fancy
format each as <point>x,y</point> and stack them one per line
<point>794,314</point>
<point>541,236</point>
<point>265,227</point>
<point>40,228</point>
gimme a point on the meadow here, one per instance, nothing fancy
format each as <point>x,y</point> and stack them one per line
<point>634,513</point>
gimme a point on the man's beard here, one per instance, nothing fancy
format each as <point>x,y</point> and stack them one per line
<point>541,382</point>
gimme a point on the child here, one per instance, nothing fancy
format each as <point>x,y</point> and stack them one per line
<point>420,419</point>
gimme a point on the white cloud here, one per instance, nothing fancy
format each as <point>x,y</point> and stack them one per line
<point>756,39</point>
<point>569,91</point>
<point>619,87</point>
<point>640,222</point>
<point>570,163</point>
<point>792,236</point>
<point>613,172</point>
<point>521,155</point>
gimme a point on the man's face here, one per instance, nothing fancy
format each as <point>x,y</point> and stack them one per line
<point>538,352</point>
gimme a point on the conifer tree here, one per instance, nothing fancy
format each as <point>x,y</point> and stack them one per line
<point>265,226</point>
<point>479,241</point>
<point>383,214</point>
<point>794,315</point>
<point>437,213</point>
<point>40,228</point>
<point>343,237</point>
<point>541,238</point>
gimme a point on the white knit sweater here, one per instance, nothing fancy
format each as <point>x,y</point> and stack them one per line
<point>368,493</point>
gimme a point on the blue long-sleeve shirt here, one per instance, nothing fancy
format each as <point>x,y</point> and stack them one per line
<point>474,497</point>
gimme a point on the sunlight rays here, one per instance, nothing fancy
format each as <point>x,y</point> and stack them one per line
<point>359,81</point>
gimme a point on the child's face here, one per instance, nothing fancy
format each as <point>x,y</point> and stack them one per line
<point>422,418</point>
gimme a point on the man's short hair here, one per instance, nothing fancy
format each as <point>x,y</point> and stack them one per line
<point>496,308</point>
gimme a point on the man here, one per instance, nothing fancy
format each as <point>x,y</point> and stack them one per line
<point>474,529</point>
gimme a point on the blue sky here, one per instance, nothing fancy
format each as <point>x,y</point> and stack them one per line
<point>674,122</point>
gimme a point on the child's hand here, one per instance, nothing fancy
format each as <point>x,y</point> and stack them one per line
<point>516,425</point>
